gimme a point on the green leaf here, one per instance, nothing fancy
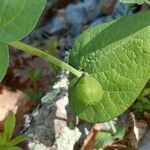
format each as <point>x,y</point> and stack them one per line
<point>133,1</point>
<point>137,107</point>
<point>120,132</point>
<point>145,102</point>
<point>9,126</point>
<point>9,9</point>
<point>17,140</point>
<point>14,148</point>
<point>4,59</point>
<point>2,139</point>
<point>145,92</point>
<point>52,48</point>
<point>35,95</point>
<point>102,139</point>
<point>117,54</point>
<point>34,74</point>
<point>23,22</point>
<point>4,147</point>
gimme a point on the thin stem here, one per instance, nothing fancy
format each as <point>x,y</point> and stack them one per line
<point>113,128</point>
<point>44,55</point>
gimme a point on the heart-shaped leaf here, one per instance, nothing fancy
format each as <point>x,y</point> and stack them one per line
<point>20,22</point>
<point>4,59</point>
<point>9,9</point>
<point>117,54</point>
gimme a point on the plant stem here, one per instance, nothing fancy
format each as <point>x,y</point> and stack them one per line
<point>46,56</point>
<point>113,128</point>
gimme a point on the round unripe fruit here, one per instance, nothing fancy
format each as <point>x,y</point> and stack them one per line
<point>84,91</point>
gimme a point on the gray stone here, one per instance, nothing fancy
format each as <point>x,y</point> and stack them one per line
<point>145,142</point>
<point>92,8</point>
<point>56,25</point>
<point>100,20</point>
<point>47,122</point>
<point>75,14</point>
<point>121,10</point>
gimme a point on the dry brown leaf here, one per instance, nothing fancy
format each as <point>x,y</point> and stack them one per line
<point>89,141</point>
<point>16,102</point>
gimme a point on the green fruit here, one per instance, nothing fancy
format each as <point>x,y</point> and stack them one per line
<point>84,92</point>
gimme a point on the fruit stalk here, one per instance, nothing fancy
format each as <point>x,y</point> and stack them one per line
<point>46,56</point>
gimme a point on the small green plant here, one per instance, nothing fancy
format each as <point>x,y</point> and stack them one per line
<point>142,103</point>
<point>104,137</point>
<point>6,141</point>
<point>115,55</point>
<point>51,49</point>
<point>34,75</point>
<point>35,95</point>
